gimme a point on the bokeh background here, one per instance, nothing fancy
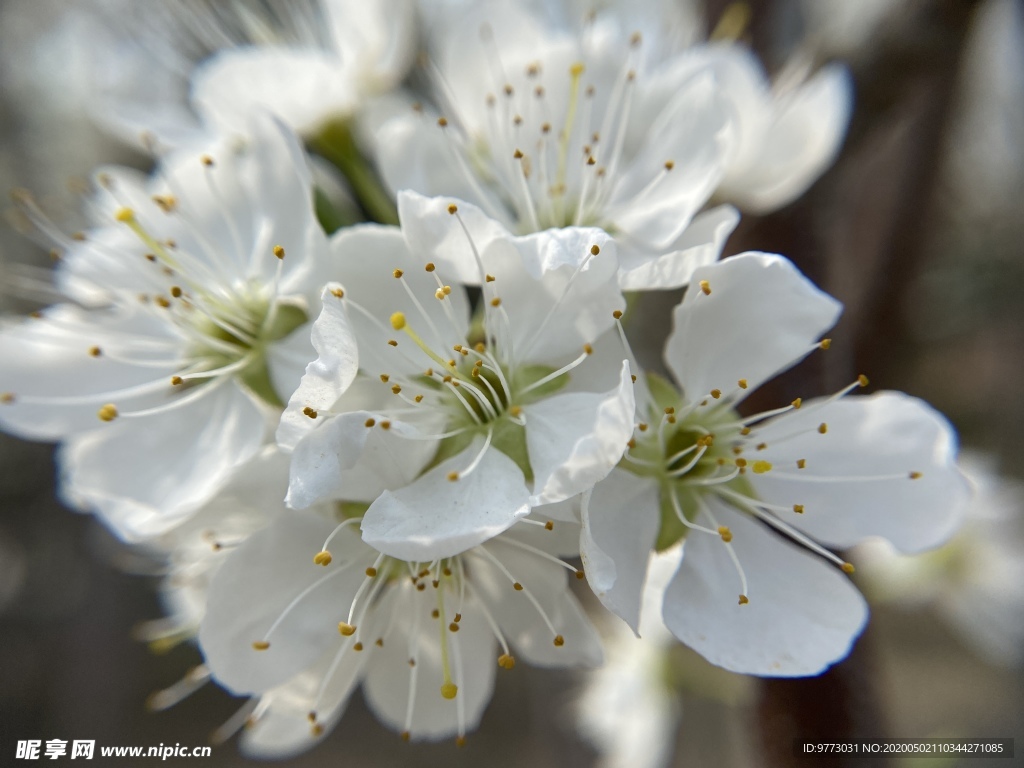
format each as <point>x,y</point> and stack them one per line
<point>918,229</point>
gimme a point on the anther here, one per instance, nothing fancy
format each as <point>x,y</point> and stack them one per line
<point>398,321</point>
<point>743,600</point>
<point>669,165</point>
<point>322,557</point>
<point>588,349</point>
<point>725,533</point>
<point>825,343</point>
<point>176,291</point>
<point>642,427</point>
<point>742,383</point>
<point>506,661</point>
<point>489,278</point>
<point>705,287</point>
<point>338,293</point>
<point>108,412</point>
<point>310,412</point>
<point>862,380</point>
<point>741,463</point>
<point>518,155</point>
<point>745,431</point>
<point>418,398</point>
<point>559,641</point>
<point>279,251</point>
<point>369,422</point>
<point>516,411</point>
<point>716,393</point>
<point>798,508</point>
<point>162,302</point>
<point>761,446</point>
<point>95,351</point>
<point>346,629</point>
<point>397,273</point>
<point>435,614</point>
<point>429,266</point>
<point>392,342</point>
<point>443,122</point>
<point>385,425</point>
<point>453,627</point>
<point>617,314</point>
<point>495,302</point>
<point>449,690</point>
<point>760,467</point>
<point>260,645</point>
<point>206,160</point>
<point>458,618</point>
<point>798,402</point>
<point>801,463</point>
<point>396,389</point>
<point>517,587</point>
<point>405,736</point>
<point>125,215</point>
<point>385,378</point>
<point>549,525</point>
<point>7,398</point>
<point>847,567</point>
<point>453,476</point>
<point>822,428</point>
<point>357,647</point>
<point>594,250</point>
<point>915,475</point>
<point>460,741</point>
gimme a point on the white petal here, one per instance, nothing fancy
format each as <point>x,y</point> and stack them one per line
<point>886,434</point>
<point>761,317</point>
<point>803,614</point>
<point>699,245</point>
<point>144,475</point>
<point>329,375</point>
<point>472,661</point>
<point>520,621</point>
<point>620,525</point>
<point>575,439</point>
<point>259,581</point>
<point>435,517</point>
<point>346,460</point>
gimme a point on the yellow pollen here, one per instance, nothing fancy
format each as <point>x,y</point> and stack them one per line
<point>588,349</point>
<point>631,443</point>
<point>176,291</point>
<point>517,155</point>
<point>743,600</point>
<point>559,641</point>
<point>379,642</point>
<point>617,314</point>
<point>311,717</point>
<point>357,647</point>
<point>670,410</point>
<point>206,160</point>
<point>458,617</point>
<point>396,389</point>
<point>369,422</point>
<point>642,427</point>
<point>108,412</point>
<point>495,302</point>
<point>176,380</point>
<point>716,393</point>
<point>447,289</point>
<point>517,587</point>
<point>449,690</point>
<point>279,251</point>
<point>166,203</point>
<point>453,476</point>
<point>338,293</point>
<point>506,661</point>
<point>260,645</point>
<point>418,398</point>
<point>515,410</point>
<point>346,629</point>
<point>7,398</point>
<point>439,294</point>
<point>310,412</point>
<point>317,729</point>
<point>915,475</point>
<point>822,428</point>
<point>398,273</point>
<point>162,302</point>
<point>705,287</point>
<point>801,463</point>
<point>825,343</point>
<point>125,215</point>
<point>862,380</point>
<point>435,614</point>
<point>392,342</point>
<point>741,463</point>
<point>760,467</point>
<point>594,250</point>
<point>798,402</point>
<point>443,122</point>
<point>398,321</point>
<point>385,425</point>
<point>669,165</point>
<point>580,574</point>
<point>576,69</point>
<point>385,378</point>
<point>725,533</point>
<point>798,508</point>
<point>745,431</point>
<point>95,351</point>
<point>489,278</point>
<point>453,627</point>
<point>737,450</point>
<point>549,525</point>
<point>632,378</point>
<point>761,446</point>
<point>429,266</point>
<point>848,568</point>
<point>322,558</point>
<point>742,383</point>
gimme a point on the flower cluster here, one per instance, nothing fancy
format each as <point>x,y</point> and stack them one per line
<point>377,457</point>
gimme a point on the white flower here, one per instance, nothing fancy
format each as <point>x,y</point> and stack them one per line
<point>184,332</point>
<point>304,611</point>
<point>976,580</point>
<point>452,431</point>
<point>307,62</point>
<point>537,127</point>
<point>753,495</point>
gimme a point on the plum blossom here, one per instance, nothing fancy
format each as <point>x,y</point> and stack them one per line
<point>537,126</point>
<point>183,332</point>
<point>304,612</point>
<point>756,497</point>
<point>452,430</point>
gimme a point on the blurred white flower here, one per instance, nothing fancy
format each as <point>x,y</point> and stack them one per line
<point>743,489</point>
<point>184,331</point>
<point>304,611</point>
<point>976,580</point>
<point>452,431</point>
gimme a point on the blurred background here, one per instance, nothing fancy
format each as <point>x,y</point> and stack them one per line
<point>918,229</point>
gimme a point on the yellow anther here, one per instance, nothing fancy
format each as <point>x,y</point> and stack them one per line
<point>166,203</point>
<point>322,558</point>
<point>108,412</point>
<point>206,160</point>
<point>311,717</point>
<point>579,573</point>
<point>745,431</point>
<point>495,302</point>
<point>642,427</point>
<point>260,645</point>
<point>460,741</point>
<point>822,428</point>
<point>705,287</point>
<point>125,215</point>
<point>385,378</point>
<point>7,398</point>
<point>439,294</point>
<point>506,661</point>
<point>369,422</point>
<point>418,398</point>
<point>862,380</point>
<point>798,508</point>
<point>517,587</point>
<point>632,378</point>
<point>740,462</point>
<point>670,410</point>
<point>670,419</point>
<point>798,402</point>
<point>435,614</point>
<point>449,690</point>
<point>396,389</point>
<point>453,476</point>
<point>669,165</point>
<point>458,617</point>
<point>631,443</point>
<point>162,302</point>
<point>443,122</point>
<point>429,266</point>
<point>371,571</point>
<point>517,155</point>
<point>743,600</point>
<point>398,273</point>
<point>447,289</point>
<point>588,349</point>
<point>577,69</point>
<point>801,463</point>
<point>337,293</point>
<point>617,314</point>
<point>358,646</point>
<point>392,342</point>
<point>761,446</point>
<point>310,412</point>
<point>516,411</point>
<point>279,251</point>
<point>176,291</point>
<point>825,343</point>
<point>453,627</point>
<point>915,475</point>
<point>346,629</point>
<point>594,250</point>
<point>760,467</point>
<point>316,729</point>
<point>725,533</point>
<point>398,321</point>
<point>549,525</point>
<point>95,351</point>
<point>480,347</point>
<point>716,393</point>
<point>385,425</point>
<point>489,278</point>
<point>559,641</point>
<point>742,383</point>
<point>848,568</point>
<point>737,450</point>
<point>405,736</point>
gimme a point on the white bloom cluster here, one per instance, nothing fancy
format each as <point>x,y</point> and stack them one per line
<point>370,458</point>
